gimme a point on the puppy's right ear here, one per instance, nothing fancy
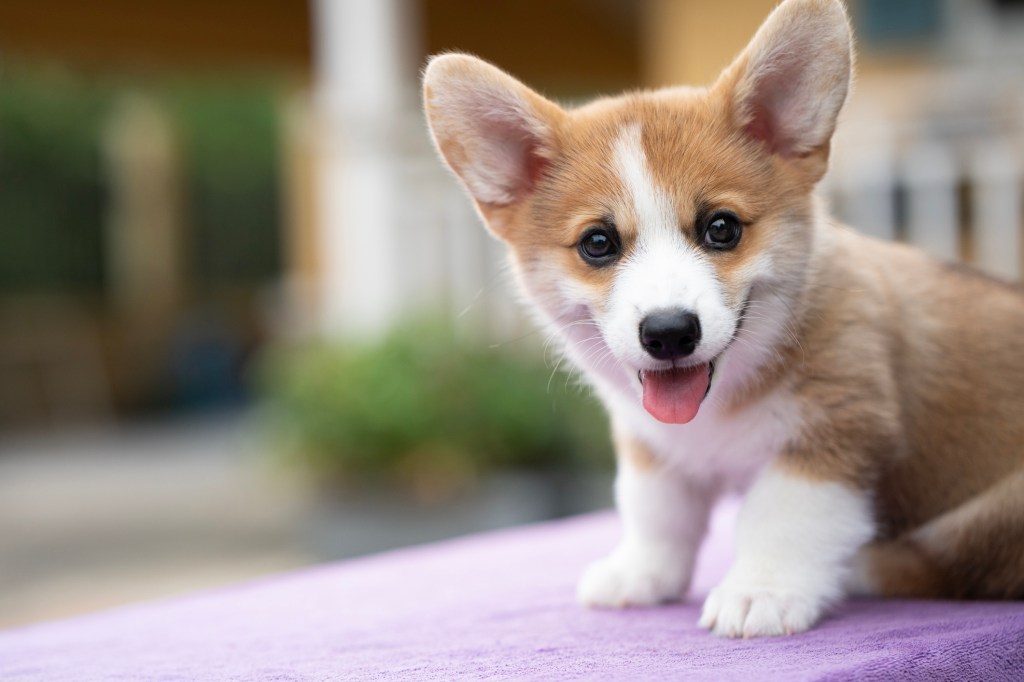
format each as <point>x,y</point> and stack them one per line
<point>494,132</point>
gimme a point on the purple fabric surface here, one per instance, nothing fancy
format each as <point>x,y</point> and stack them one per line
<point>500,606</point>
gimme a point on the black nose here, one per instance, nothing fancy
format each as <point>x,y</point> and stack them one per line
<point>670,334</point>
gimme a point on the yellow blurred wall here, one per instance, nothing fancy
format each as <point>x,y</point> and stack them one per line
<point>687,42</point>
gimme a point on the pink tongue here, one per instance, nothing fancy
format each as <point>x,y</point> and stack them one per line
<point>675,395</point>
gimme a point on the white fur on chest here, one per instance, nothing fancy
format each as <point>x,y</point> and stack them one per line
<point>729,449</point>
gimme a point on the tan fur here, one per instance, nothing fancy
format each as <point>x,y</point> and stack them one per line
<point>975,550</point>
<point>638,455</point>
<point>909,372</point>
<point>899,568</point>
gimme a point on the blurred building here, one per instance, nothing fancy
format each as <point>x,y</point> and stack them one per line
<point>195,178</point>
<point>141,200</point>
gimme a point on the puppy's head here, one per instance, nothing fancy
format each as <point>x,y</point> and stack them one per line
<point>655,216</point>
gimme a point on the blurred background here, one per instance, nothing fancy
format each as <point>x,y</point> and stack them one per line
<point>249,323</point>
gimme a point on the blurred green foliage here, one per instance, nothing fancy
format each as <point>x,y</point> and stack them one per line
<point>422,404</point>
<point>52,196</point>
<point>230,135</point>
<point>54,193</point>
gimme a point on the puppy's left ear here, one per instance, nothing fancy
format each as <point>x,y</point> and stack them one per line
<point>786,88</point>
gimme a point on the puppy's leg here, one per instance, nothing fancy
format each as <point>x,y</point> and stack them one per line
<point>794,541</point>
<point>664,517</point>
<point>975,550</point>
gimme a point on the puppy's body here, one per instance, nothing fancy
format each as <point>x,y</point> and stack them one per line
<point>868,398</point>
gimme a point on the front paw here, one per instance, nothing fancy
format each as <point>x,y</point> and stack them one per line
<point>634,577</point>
<point>736,610</point>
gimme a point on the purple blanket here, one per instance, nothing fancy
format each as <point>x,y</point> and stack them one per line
<point>500,606</point>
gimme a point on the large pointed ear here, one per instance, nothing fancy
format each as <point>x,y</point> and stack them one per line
<point>494,132</point>
<point>787,87</point>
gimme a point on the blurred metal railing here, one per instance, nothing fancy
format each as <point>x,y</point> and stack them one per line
<point>956,199</point>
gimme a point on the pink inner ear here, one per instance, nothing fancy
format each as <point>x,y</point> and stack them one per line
<point>535,165</point>
<point>516,160</point>
<point>769,110</point>
<point>761,128</point>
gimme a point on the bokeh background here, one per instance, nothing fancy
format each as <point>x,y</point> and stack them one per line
<point>248,322</point>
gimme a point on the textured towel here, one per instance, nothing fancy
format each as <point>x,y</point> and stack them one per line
<point>501,606</point>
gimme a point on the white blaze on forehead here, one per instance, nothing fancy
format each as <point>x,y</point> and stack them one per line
<point>652,205</point>
<point>663,269</point>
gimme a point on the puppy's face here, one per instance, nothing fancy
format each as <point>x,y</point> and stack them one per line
<point>655,222</point>
<point>652,217</point>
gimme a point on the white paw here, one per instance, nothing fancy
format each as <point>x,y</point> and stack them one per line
<point>634,578</point>
<point>736,611</point>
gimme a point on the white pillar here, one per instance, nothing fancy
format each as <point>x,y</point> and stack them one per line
<point>365,95</point>
<point>996,216</point>
<point>929,173</point>
<point>864,180</point>
<point>144,226</point>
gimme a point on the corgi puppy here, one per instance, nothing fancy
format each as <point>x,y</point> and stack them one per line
<point>868,399</point>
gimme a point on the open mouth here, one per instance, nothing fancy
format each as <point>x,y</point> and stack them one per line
<point>674,395</point>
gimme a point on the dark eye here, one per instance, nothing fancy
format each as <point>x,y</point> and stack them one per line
<point>723,231</point>
<point>599,245</point>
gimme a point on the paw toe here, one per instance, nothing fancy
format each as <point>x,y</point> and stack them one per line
<point>757,613</point>
<point>618,582</point>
